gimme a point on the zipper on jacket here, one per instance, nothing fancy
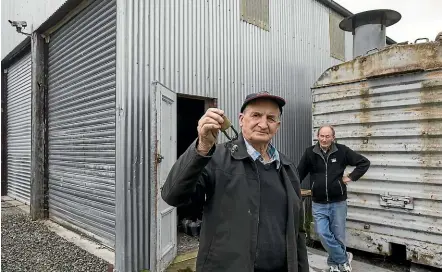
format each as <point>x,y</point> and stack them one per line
<point>286,233</point>
<point>326,176</point>
<point>259,207</point>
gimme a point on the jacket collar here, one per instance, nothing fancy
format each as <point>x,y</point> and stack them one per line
<point>238,150</point>
<point>271,151</point>
<point>317,149</point>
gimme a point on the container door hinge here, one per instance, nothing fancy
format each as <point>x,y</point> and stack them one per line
<point>159,158</point>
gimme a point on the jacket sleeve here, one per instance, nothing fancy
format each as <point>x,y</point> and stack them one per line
<point>303,166</point>
<point>188,181</point>
<point>303,265</point>
<point>355,159</point>
<point>301,246</point>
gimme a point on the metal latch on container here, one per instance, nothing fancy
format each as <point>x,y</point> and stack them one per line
<point>395,201</point>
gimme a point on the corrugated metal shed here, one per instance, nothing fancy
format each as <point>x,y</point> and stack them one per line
<point>388,106</point>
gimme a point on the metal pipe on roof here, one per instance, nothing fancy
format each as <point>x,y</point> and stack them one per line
<point>369,29</point>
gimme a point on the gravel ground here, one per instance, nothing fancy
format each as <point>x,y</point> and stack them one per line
<point>30,246</point>
<point>187,243</point>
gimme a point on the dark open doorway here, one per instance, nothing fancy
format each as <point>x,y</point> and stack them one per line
<point>189,110</point>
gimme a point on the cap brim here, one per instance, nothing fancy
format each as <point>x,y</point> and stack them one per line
<point>278,100</point>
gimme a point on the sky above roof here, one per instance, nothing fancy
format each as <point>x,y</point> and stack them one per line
<point>420,18</point>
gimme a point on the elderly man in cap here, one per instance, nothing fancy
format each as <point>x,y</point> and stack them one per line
<point>249,192</point>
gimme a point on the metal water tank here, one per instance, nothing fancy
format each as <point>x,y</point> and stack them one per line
<point>387,105</point>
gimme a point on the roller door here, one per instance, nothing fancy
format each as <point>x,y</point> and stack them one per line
<point>19,129</point>
<point>81,121</point>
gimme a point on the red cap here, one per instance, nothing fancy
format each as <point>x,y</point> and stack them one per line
<point>263,95</point>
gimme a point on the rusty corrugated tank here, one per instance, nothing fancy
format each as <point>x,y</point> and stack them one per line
<point>388,106</point>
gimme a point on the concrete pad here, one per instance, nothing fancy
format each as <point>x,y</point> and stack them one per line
<point>25,208</point>
<point>6,198</point>
<point>186,256</point>
<point>82,242</point>
<point>16,203</point>
<point>184,266</point>
<point>184,262</point>
<point>318,263</point>
<point>420,268</point>
<point>6,204</point>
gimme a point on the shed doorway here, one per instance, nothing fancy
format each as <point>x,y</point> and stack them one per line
<point>189,110</point>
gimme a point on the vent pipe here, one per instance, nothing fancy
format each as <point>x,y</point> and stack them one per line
<point>368,29</point>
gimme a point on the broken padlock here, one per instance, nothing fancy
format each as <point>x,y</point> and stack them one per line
<point>225,126</point>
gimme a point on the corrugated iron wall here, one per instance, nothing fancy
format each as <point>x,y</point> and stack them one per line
<point>203,48</point>
<point>388,106</point>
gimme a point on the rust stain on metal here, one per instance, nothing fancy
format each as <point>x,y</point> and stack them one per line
<point>155,181</point>
<point>380,247</point>
<point>430,93</point>
<point>422,258</point>
<point>438,37</point>
<point>425,56</point>
<point>365,115</point>
<point>392,60</point>
<point>365,99</point>
<point>370,241</point>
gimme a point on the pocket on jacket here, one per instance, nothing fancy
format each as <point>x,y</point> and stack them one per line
<point>319,190</point>
<point>337,188</point>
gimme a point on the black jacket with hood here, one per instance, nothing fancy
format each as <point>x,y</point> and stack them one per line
<point>326,171</point>
<point>226,183</point>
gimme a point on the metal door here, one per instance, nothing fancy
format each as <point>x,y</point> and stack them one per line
<point>166,141</point>
<point>81,122</point>
<point>19,129</point>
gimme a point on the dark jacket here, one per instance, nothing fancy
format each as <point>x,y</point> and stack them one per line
<point>226,183</point>
<point>326,172</point>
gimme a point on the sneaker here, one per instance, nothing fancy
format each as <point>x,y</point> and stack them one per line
<point>334,268</point>
<point>345,267</point>
<point>349,257</point>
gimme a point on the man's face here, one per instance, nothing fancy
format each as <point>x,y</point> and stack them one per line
<point>260,121</point>
<point>325,137</point>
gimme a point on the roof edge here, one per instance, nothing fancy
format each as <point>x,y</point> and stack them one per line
<point>345,13</point>
<point>52,20</point>
<point>60,14</point>
<point>22,47</point>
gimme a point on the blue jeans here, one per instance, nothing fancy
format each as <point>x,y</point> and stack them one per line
<point>330,227</point>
